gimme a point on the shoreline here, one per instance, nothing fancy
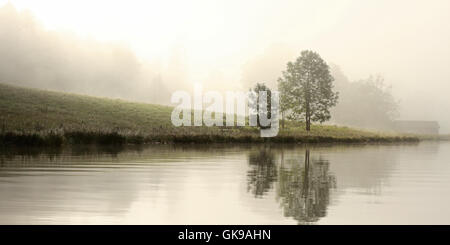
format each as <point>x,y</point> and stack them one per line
<point>114,138</point>
<point>32,117</point>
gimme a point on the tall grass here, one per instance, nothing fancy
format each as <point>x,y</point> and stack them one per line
<point>30,117</point>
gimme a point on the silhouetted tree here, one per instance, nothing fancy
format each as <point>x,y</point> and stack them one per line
<point>254,99</point>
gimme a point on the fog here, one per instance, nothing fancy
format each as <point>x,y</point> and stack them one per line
<point>143,51</point>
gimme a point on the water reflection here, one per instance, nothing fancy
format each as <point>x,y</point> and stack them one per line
<point>304,188</point>
<point>263,171</point>
<point>217,184</point>
<point>303,184</point>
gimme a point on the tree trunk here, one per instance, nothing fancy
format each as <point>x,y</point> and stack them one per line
<point>282,119</point>
<point>308,118</point>
<point>308,108</point>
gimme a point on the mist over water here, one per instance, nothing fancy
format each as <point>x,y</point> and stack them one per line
<point>147,51</point>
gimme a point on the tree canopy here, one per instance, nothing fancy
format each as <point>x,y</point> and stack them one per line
<point>306,88</point>
<point>254,102</point>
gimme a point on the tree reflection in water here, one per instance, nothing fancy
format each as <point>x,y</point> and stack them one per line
<point>304,189</point>
<point>303,186</point>
<point>262,173</point>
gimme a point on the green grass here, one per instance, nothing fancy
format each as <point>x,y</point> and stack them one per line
<point>37,117</point>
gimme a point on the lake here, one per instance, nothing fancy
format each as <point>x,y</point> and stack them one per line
<point>223,184</point>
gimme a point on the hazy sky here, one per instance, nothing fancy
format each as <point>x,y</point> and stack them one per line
<point>405,41</point>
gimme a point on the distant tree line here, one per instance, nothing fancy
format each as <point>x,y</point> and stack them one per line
<point>32,56</point>
<point>366,103</point>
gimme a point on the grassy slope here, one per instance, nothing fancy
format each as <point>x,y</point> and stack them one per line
<point>31,109</point>
<point>27,111</point>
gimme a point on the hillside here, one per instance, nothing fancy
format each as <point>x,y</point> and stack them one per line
<point>31,116</point>
<point>35,110</point>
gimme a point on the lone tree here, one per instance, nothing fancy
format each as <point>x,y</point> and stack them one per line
<point>254,101</point>
<point>306,89</point>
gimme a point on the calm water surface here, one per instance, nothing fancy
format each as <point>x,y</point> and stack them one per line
<point>372,184</point>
